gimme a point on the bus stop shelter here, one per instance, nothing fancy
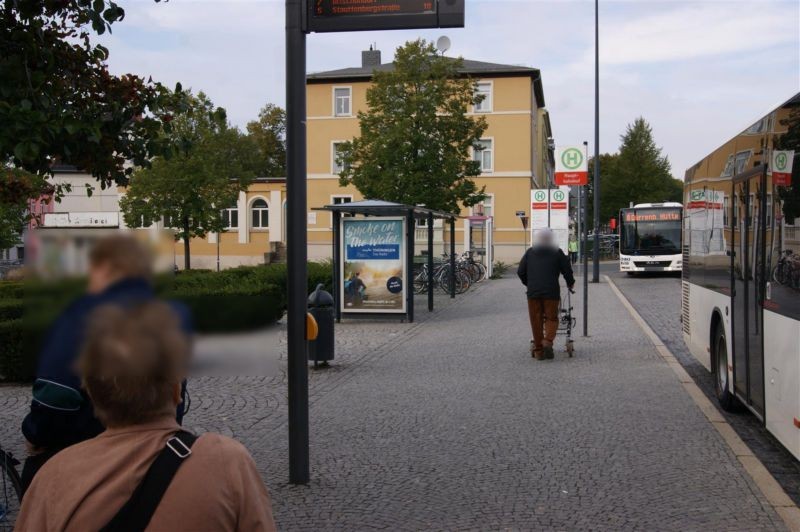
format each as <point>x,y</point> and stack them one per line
<point>411,214</point>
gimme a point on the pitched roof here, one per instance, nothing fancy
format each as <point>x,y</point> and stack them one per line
<point>469,67</point>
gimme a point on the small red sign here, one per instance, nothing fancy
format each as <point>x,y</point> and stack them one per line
<point>781,179</point>
<point>572,178</point>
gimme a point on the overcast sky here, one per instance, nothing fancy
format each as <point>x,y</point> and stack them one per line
<point>698,71</point>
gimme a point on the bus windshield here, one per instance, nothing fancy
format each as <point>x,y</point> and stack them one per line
<point>650,231</point>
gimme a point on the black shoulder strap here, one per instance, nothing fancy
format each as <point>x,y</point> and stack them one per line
<point>135,515</point>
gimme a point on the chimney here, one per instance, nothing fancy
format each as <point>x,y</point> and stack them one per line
<point>370,58</point>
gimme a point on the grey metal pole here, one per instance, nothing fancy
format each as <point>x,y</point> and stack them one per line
<point>410,266</point>
<point>585,238</point>
<point>430,262</point>
<point>596,181</point>
<point>452,257</point>
<point>297,367</point>
<point>337,274</point>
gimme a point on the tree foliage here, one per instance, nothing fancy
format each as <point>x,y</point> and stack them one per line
<point>212,163</point>
<point>790,140</point>
<point>58,101</point>
<point>416,138</point>
<point>269,134</point>
<point>19,187</point>
<point>637,173</point>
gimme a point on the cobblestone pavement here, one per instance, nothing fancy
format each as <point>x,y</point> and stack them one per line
<point>448,424</point>
<point>658,301</point>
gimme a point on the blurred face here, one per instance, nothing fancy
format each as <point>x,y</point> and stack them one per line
<point>101,276</point>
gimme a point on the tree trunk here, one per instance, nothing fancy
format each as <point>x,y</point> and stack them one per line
<point>187,265</point>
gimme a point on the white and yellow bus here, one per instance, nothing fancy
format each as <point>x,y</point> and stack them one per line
<point>741,273</point>
<point>650,238</point>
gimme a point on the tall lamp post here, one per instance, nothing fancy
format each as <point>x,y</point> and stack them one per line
<point>297,359</point>
<point>596,181</point>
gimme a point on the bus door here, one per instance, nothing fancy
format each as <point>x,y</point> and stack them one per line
<point>749,284</point>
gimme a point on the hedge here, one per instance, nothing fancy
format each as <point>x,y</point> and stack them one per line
<point>14,365</point>
<point>10,309</point>
<point>238,299</point>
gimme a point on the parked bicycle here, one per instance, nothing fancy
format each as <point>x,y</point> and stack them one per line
<point>10,491</point>
<point>787,271</point>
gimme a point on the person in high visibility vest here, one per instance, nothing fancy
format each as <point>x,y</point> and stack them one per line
<point>573,249</point>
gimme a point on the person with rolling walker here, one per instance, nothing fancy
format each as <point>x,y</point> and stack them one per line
<point>539,271</point>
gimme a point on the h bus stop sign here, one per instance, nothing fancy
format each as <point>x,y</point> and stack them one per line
<point>363,15</point>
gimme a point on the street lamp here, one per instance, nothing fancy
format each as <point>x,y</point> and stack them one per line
<point>596,180</point>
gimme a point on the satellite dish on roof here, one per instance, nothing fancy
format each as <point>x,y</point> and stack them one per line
<point>443,44</point>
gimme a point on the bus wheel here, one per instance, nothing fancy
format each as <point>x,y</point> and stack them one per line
<point>720,364</point>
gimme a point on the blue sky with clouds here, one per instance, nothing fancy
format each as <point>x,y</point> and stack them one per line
<point>699,71</point>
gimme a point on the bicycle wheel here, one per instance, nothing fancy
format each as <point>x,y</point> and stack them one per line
<point>462,282</point>
<point>481,271</point>
<point>473,271</point>
<point>10,490</point>
<point>420,283</point>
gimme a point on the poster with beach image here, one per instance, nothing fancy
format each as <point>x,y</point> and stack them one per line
<point>373,265</point>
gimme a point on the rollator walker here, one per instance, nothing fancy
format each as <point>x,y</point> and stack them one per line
<point>566,322</point>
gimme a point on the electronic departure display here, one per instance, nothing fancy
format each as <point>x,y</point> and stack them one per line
<point>335,8</point>
<point>363,15</point>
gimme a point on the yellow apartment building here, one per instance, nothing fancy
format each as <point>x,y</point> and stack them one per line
<point>517,152</point>
<point>517,156</point>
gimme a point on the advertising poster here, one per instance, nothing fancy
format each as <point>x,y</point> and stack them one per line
<point>373,265</point>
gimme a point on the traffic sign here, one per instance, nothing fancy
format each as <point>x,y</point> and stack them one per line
<point>362,15</point>
<point>782,167</point>
<point>571,166</point>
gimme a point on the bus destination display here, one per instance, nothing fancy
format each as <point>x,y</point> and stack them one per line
<point>337,8</point>
<point>370,15</point>
<point>652,217</point>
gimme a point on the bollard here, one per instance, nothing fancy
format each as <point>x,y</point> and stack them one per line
<point>320,306</point>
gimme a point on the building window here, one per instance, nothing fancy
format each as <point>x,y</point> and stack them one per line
<point>741,161</point>
<point>769,211</point>
<point>484,89</point>
<point>482,152</point>
<point>728,170</point>
<point>342,97</point>
<point>337,166</point>
<point>230,218</point>
<point>726,222</point>
<point>260,214</point>
<point>338,200</point>
<point>485,207</point>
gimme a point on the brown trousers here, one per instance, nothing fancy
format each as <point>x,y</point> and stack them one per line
<point>544,321</point>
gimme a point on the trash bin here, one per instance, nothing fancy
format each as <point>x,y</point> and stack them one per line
<point>320,305</point>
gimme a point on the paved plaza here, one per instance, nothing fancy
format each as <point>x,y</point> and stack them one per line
<point>448,424</point>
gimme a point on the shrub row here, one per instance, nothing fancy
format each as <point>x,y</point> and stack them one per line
<point>238,299</point>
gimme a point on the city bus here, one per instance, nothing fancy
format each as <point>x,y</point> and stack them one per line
<point>741,273</point>
<point>650,238</point>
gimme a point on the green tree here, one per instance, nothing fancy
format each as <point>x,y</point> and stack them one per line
<point>638,173</point>
<point>19,187</point>
<point>269,134</point>
<point>416,138</point>
<point>213,163</point>
<point>790,140</point>
<point>58,101</point>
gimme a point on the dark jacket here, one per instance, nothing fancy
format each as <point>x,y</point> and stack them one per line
<point>61,413</point>
<point>539,270</point>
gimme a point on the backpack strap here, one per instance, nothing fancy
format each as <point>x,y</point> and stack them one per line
<point>135,515</point>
